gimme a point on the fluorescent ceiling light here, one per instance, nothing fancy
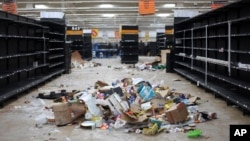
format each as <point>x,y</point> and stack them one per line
<point>108,15</point>
<point>106,6</point>
<point>169,5</point>
<point>163,15</point>
<point>41,6</point>
<point>157,25</point>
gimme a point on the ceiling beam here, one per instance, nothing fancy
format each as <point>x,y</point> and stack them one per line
<point>110,9</point>
<point>113,1</point>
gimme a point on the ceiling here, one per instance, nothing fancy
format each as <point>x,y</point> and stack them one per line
<point>89,14</point>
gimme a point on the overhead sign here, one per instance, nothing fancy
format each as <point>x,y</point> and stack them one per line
<point>217,4</point>
<point>9,6</point>
<point>94,33</point>
<point>169,32</point>
<point>74,30</point>
<point>146,7</point>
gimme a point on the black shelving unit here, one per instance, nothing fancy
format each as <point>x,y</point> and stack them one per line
<point>129,44</point>
<point>56,45</point>
<point>67,58</point>
<point>160,41</point>
<point>87,46</point>
<point>77,42</point>
<point>169,34</point>
<point>23,54</point>
<point>212,50</point>
<point>152,48</point>
<point>74,34</point>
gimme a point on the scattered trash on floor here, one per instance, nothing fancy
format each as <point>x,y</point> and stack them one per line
<point>78,62</point>
<point>152,66</point>
<point>131,104</point>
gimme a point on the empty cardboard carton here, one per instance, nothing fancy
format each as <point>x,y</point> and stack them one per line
<point>177,113</point>
<point>62,113</point>
<point>65,113</point>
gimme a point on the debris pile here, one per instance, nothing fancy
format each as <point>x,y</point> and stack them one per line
<point>78,62</point>
<point>132,104</point>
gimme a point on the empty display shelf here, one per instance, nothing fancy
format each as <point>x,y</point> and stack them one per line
<point>129,44</point>
<point>212,49</point>
<point>23,54</point>
<point>31,53</point>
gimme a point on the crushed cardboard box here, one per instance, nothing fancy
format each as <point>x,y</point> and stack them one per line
<point>66,113</point>
<point>177,113</point>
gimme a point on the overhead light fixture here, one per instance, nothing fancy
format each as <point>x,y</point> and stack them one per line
<point>108,15</point>
<point>169,5</point>
<point>41,6</point>
<point>157,25</point>
<point>106,6</point>
<point>163,15</point>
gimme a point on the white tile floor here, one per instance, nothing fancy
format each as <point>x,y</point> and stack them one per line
<point>18,118</point>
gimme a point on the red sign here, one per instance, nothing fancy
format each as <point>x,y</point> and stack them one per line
<point>215,6</point>
<point>146,7</point>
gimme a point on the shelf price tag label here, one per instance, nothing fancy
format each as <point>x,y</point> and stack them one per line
<point>74,30</point>
<point>146,7</point>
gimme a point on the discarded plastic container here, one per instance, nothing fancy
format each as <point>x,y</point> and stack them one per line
<point>41,120</point>
<point>91,104</point>
<point>158,122</point>
<point>88,124</point>
<point>195,133</point>
<point>119,123</point>
<point>97,120</point>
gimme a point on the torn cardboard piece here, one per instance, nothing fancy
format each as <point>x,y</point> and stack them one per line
<point>76,57</point>
<point>192,100</point>
<point>100,84</point>
<point>133,119</point>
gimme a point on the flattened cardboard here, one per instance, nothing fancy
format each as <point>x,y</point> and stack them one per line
<point>193,99</point>
<point>158,102</point>
<point>135,108</point>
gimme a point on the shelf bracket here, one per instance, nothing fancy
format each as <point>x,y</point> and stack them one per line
<point>229,48</point>
<point>206,57</point>
<point>184,36</point>
<point>192,46</point>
